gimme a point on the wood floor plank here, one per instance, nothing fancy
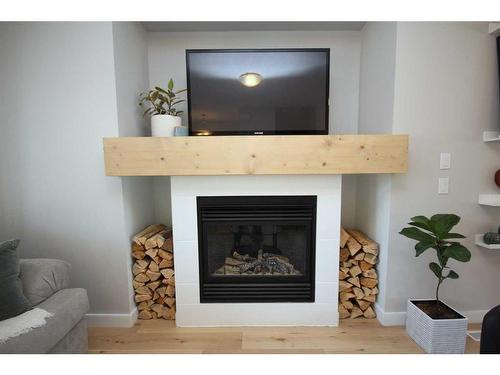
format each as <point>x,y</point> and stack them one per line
<point>352,336</point>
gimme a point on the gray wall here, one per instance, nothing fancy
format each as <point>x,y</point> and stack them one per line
<point>131,73</point>
<point>167,59</point>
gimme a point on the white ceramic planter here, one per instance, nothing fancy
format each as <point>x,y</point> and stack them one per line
<point>435,336</point>
<point>163,125</point>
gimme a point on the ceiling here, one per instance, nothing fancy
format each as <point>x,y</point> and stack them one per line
<point>252,26</point>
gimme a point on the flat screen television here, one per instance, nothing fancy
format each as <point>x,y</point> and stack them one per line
<point>258,91</point>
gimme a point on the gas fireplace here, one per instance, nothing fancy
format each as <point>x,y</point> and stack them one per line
<point>257,248</point>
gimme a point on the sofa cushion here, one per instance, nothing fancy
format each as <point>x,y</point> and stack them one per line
<point>12,300</point>
<point>42,278</point>
<point>68,307</point>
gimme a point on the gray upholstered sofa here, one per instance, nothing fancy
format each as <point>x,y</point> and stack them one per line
<point>46,285</point>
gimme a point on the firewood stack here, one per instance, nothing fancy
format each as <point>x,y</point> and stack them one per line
<point>153,270</point>
<point>358,278</point>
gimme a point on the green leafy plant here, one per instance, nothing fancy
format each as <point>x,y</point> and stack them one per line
<point>160,101</point>
<point>434,233</point>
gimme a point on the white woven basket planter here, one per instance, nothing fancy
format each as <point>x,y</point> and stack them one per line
<point>435,336</point>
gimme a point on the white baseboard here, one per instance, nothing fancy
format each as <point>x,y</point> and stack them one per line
<point>112,320</point>
<point>398,318</point>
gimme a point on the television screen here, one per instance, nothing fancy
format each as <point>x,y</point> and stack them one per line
<point>278,91</point>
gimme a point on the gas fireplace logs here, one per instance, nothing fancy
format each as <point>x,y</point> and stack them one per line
<point>358,278</point>
<point>153,272</point>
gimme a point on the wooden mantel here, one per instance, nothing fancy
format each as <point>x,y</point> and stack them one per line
<point>241,155</point>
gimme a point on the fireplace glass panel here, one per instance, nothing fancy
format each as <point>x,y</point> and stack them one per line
<point>257,249</point>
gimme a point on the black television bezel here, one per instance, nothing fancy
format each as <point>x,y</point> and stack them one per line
<point>259,132</point>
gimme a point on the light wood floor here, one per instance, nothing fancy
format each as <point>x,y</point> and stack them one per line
<point>352,336</point>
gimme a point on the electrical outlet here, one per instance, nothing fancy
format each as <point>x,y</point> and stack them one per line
<point>443,185</point>
<point>445,160</point>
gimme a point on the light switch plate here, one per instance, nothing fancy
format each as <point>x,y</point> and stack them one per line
<point>443,185</point>
<point>445,160</point>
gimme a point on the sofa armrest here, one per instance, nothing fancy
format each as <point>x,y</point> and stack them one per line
<point>42,278</point>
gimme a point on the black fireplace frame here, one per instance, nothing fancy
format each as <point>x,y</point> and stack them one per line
<point>238,289</point>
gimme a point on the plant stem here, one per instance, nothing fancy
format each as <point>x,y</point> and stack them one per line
<point>437,290</point>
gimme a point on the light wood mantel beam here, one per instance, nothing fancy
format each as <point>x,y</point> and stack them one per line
<point>243,155</point>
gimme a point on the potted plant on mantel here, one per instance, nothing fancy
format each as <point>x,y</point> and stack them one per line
<point>432,324</point>
<point>161,106</point>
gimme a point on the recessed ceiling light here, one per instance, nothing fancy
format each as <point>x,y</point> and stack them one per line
<point>250,79</point>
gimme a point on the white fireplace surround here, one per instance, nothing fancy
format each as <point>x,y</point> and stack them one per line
<point>191,313</point>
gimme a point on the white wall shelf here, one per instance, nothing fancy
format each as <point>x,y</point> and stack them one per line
<point>491,136</point>
<point>480,242</point>
<point>489,199</point>
<point>494,28</point>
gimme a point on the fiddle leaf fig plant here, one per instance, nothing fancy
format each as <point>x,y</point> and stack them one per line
<point>161,101</point>
<point>435,233</point>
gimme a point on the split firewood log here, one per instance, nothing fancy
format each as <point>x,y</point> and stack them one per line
<point>344,285</point>
<point>152,253</point>
<point>143,290</point>
<point>170,291</point>
<point>370,258</point>
<point>355,271</point>
<point>168,245</point>
<point>353,246</point>
<point>365,266</point>
<point>343,312</point>
<point>343,275</point>
<point>153,285</point>
<point>154,267</point>
<point>355,312</point>
<point>344,254</point>
<point>358,293</point>
<point>368,282</point>
<point>144,305</point>
<point>136,284</point>
<point>169,302</point>
<point>170,313</point>
<point>141,237</point>
<point>141,277</point>
<point>363,305</point>
<point>371,273</point>
<point>144,315</point>
<point>344,236</point>
<point>142,297</point>
<point>369,313</point>
<point>347,304</point>
<point>138,254</point>
<point>371,298</point>
<point>153,275</point>
<point>354,281</point>
<point>344,296</point>
<point>369,246</point>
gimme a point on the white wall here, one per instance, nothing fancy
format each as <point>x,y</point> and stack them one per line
<point>167,59</point>
<point>446,95</point>
<point>376,105</point>
<point>57,101</point>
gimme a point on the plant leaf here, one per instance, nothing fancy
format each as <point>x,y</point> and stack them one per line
<point>422,246</point>
<point>170,84</point>
<point>442,223</point>
<point>453,235</point>
<point>421,222</point>
<point>452,275</point>
<point>417,234</point>
<point>457,252</point>
<point>436,269</point>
